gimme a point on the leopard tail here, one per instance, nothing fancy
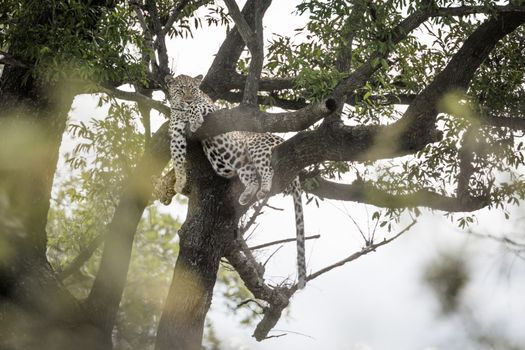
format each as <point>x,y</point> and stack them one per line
<point>299,226</point>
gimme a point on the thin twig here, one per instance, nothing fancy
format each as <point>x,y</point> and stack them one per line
<point>256,213</point>
<point>271,256</point>
<point>293,332</point>
<point>287,240</point>
<point>364,251</point>
<point>275,336</point>
<point>136,97</point>
<point>251,300</point>
<point>274,208</point>
<point>253,231</point>
<point>502,239</point>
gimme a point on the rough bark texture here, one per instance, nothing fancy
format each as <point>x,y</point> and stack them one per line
<point>209,229</point>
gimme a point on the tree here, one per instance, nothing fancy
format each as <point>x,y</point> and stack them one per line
<point>421,102</point>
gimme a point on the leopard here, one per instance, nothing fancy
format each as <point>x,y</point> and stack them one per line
<point>244,154</point>
<point>163,187</point>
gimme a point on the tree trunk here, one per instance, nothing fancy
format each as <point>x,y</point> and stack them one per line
<point>104,299</point>
<point>32,121</point>
<point>208,231</point>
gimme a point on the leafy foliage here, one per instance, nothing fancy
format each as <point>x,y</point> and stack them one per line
<point>73,39</point>
<point>311,56</point>
<point>102,41</point>
<point>105,154</point>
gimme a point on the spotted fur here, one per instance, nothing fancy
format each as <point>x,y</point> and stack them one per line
<point>237,153</point>
<point>163,187</point>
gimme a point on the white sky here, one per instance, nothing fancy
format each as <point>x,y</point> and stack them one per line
<point>379,301</point>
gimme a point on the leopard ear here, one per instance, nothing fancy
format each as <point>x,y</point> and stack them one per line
<point>168,79</point>
<point>198,77</point>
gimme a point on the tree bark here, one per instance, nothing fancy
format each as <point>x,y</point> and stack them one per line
<point>36,310</point>
<point>106,293</point>
<point>208,231</point>
<point>32,121</point>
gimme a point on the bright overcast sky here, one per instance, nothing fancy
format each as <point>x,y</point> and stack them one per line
<point>379,301</point>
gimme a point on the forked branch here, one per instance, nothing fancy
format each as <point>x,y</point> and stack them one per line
<point>254,40</point>
<point>277,298</point>
<point>281,241</point>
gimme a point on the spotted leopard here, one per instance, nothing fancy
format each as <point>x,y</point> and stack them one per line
<point>237,153</point>
<point>163,187</point>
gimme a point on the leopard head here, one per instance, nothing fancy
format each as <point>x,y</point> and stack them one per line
<point>183,90</point>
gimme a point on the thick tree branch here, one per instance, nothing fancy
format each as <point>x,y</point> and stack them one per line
<point>341,143</point>
<point>160,39</point>
<point>514,123</point>
<point>246,32</point>
<point>412,132</point>
<point>352,100</point>
<point>277,298</point>
<point>421,114</point>
<point>254,40</point>
<point>472,10</point>
<point>82,258</point>
<point>243,118</point>
<point>257,59</point>
<point>7,59</point>
<point>104,299</point>
<point>366,192</point>
<point>225,62</point>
